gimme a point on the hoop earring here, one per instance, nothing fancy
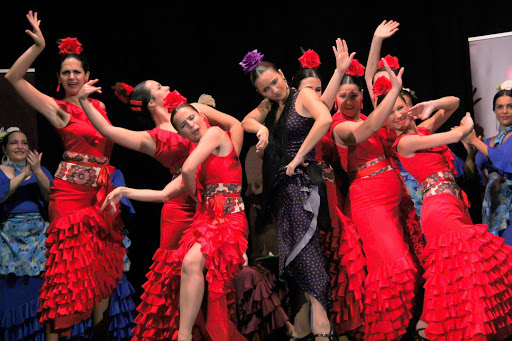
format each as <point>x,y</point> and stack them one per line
<point>5,160</point>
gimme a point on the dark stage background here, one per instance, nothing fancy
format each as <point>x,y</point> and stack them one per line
<point>195,48</point>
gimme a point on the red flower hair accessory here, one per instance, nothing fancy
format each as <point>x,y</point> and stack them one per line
<point>310,59</point>
<point>123,91</point>
<point>355,68</point>
<point>381,86</point>
<point>69,46</point>
<point>173,100</point>
<point>392,62</point>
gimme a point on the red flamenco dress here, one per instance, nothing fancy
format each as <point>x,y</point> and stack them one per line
<point>84,246</point>
<point>220,226</point>
<point>342,248</point>
<point>468,271</point>
<point>374,205</point>
<point>161,292</point>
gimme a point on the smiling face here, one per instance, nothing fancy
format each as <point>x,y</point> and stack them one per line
<point>72,76</point>
<point>189,123</point>
<point>503,111</point>
<point>272,85</point>
<point>398,120</point>
<point>16,147</point>
<point>313,83</point>
<point>349,99</point>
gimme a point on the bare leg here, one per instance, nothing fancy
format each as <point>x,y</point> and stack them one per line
<point>321,323</point>
<point>99,310</point>
<point>52,336</point>
<point>301,324</point>
<point>191,290</point>
<point>420,328</point>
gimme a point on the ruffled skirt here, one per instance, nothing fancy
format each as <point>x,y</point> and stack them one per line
<point>393,275</point>
<point>468,289</point>
<point>19,302</point>
<point>224,244</point>
<point>84,256</point>
<point>346,267</point>
<point>259,299</point>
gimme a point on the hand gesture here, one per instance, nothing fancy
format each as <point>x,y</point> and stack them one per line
<point>262,136</point>
<point>290,168</point>
<point>422,110</point>
<point>34,160</point>
<point>89,89</point>
<point>343,59</point>
<point>386,29</point>
<point>112,199</point>
<point>396,80</point>
<point>36,34</point>
<point>466,124</point>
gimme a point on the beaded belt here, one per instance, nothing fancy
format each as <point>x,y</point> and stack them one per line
<point>223,198</point>
<point>441,182</point>
<point>81,169</point>
<point>371,168</point>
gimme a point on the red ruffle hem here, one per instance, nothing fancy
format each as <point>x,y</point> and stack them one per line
<point>468,272</point>
<point>223,241</point>
<point>346,266</point>
<point>389,301</point>
<point>84,265</point>
<point>259,301</point>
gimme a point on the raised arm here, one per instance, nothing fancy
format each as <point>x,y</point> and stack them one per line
<point>385,30</point>
<point>214,138</point>
<point>139,141</point>
<point>224,121</point>
<point>352,133</point>
<point>40,102</point>
<point>443,107</point>
<point>343,60</point>
<point>410,144</point>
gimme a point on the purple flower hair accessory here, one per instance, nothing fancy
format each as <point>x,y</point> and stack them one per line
<point>251,60</point>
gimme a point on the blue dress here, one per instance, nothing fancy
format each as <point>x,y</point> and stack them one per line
<point>22,257</point>
<point>497,203</point>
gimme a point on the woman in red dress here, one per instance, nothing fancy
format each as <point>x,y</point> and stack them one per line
<point>164,144</point>
<point>217,239</point>
<point>374,203</point>
<point>468,271</point>
<point>85,248</point>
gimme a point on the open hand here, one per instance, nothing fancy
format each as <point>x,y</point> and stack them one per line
<point>89,89</point>
<point>422,110</point>
<point>386,29</point>
<point>343,58</point>
<point>36,33</point>
<point>112,199</point>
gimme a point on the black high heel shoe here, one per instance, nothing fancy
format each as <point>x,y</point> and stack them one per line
<point>331,336</point>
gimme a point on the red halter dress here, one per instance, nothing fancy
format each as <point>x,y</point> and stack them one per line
<point>220,226</point>
<point>161,292</point>
<point>374,204</point>
<point>84,246</point>
<point>468,271</point>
